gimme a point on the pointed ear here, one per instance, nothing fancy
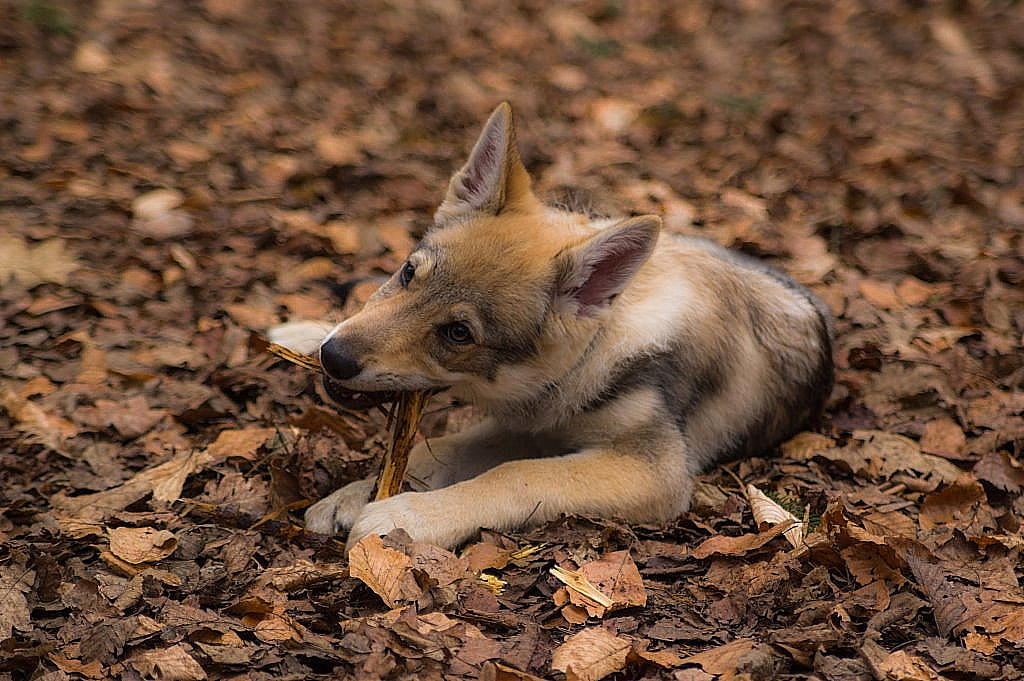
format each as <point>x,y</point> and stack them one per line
<point>592,273</point>
<point>494,179</point>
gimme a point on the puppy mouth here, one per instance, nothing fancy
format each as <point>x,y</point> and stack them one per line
<point>362,400</point>
<point>356,399</point>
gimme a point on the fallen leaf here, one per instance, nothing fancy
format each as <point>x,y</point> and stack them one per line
<point>91,57</point>
<point>300,575</point>
<point>338,149</point>
<point>723,659</point>
<point>601,586</point>
<point>157,215</point>
<point>156,202</point>
<point>943,436</point>
<point>579,585</point>
<point>131,417</point>
<point>496,671</point>
<point>276,629</point>
<point>92,669</point>
<point>767,513</point>
<point>168,664</point>
<point>164,481</point>
<point>40,425</point>
<point>386,571</point>
<point>591,654</point>
<point>141,544</point>
<point>954,503</point>
<point>904,665</point>
<point>662,658</point>
<point>47,261</point>
<point>1001,470</point>
<point>737,546</point>
<point>15,582</point>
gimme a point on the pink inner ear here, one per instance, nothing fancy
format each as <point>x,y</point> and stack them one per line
<point>606,279</point>
<point>482,175</point>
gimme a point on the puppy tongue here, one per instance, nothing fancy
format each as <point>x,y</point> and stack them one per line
<point>353,399</point>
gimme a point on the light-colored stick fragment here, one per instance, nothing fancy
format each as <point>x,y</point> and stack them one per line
<point>308,361</point>
<point>404,420</point>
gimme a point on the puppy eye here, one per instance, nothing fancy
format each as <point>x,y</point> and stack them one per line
<point>407,273</point>
<point>456,333</point>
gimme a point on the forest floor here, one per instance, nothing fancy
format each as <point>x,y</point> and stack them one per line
<point>176,177</point>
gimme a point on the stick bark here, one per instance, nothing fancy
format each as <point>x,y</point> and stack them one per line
<point>403,422</point>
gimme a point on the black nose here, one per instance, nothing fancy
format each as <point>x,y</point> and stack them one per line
<point>337,361</point>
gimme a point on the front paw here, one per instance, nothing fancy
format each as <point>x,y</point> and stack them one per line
<point>338,511</point>
<point>427,516</point>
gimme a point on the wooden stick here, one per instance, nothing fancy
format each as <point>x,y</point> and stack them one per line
<point>308,361</point>
<point>403,421</point>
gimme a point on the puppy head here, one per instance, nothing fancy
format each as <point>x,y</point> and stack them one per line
<point>502,292</point>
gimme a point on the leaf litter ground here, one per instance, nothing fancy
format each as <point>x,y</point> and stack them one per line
<point>178,176</point>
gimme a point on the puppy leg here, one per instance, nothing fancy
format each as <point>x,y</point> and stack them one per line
<point>433,464</point>
<point>601,481</point>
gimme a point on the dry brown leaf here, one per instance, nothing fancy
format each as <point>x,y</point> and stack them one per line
<point>141,544</point>
<point>338,149</point>
<point>168,664</point>
<point>131,418</point>
<point>875,454</point>
<point>40,426</point>
<point>250,317</point>
<point>662,658</point>
<point>276,629</point>
<point>889,524</point>
<point>496,671</point>
<point>92,367</point>
<point>343,235</point>
<point>768,513</point>
<point>238,442</point>
<point>1001,470</point>
<point>617,576</point>
<point>169,478</point>
<point>604,585</point>
<point>912,291</point>
<point>904,665</point>
<point>386,571</point>
<point>15,582</point>
<point>164,481</point>
<point>486,556</point>
<point>300,575</point>
<point>29,265</point>
<point>963,57</point>
<point>723,659</point>
<point>156,214</point>
<point>738,546</point>
<point>591,654</point>
<point>91,57</point>
<point>952,504</point>
<point>806,444</point>
<point>614,115</point>
<point>943,436</point>
<point>880,293</point>
<point>156,202</point>
<point>581,592</point>
<point>91,670</point>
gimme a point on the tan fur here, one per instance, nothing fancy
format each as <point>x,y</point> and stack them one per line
<point>612,364</point>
